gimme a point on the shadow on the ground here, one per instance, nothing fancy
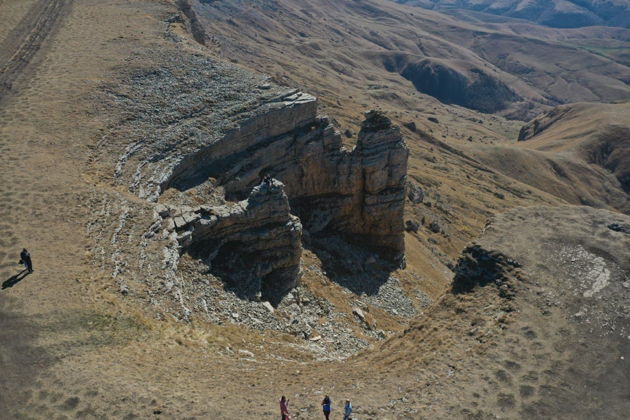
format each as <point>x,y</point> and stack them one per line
<point>22,360</point>
<point>357,268</point>
<point>12,281</point>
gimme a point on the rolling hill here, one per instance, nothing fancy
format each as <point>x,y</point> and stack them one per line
<point>206,188</point>
<point>554,13</point>
<point>398,52</point>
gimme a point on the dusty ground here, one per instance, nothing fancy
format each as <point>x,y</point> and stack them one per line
<point>544,332</point>
<point>72,347</point>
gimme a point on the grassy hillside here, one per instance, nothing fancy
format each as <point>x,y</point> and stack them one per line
<point>554,13</point>
<point>533,328</point>
<point>379,53</point>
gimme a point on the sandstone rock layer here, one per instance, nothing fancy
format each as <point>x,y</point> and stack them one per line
<point>313,182</point>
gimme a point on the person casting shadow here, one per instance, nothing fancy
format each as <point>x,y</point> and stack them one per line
<point>25,258</point>
<point>12,281</point>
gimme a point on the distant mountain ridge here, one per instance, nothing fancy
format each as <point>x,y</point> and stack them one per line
<point>553,13</point>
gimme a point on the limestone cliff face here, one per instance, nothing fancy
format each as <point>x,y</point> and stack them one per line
<point>383,161</point>
<point>317,185</point>
<point>254,244</point>
<point>273,124</point>
<point>358,193</point>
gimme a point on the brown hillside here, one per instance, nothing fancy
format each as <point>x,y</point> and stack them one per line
<point>555,13</point>
<point>536,326</point>
<point>596,133</point>
<point>575,180</point>
<point>396,50</point>
<point>103,104</point>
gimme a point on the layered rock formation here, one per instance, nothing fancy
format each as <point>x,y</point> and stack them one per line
<point>218,132</point>
<point>255,244</point>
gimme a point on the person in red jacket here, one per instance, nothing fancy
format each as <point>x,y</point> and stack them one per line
<point>284,408</point>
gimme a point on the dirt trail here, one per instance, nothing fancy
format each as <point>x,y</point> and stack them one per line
<point>26,39</point>
<point>26,191</point>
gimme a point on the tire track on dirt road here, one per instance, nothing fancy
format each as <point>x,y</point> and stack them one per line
<point>26,39</point>
<point>22,359</point>
<point>17,52</point>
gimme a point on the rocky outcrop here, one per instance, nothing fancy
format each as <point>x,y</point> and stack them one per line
<point>381,158</point>
<point>198,137</point>
<point>237,159</point>
<point>358,193</point>
<point>479,267</point>
<point>255,243</point>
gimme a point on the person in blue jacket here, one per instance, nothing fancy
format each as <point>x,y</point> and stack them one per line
<point>347,410</point>
<point>326,405</point>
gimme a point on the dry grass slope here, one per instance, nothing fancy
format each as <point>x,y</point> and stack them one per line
<point>342,48</point>
<point>72,346</point>
<point>555,13</point>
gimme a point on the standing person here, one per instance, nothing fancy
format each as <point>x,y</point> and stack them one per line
<point>25,258</point>
<point>347,410</point>
<point>284,408</point>
<point>326,405</point>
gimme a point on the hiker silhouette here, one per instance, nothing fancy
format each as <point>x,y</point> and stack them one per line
<point>25,258</point>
